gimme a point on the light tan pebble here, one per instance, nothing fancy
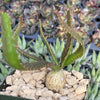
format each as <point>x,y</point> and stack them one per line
<point>9,80</point>
<point>63,98</point>
<point>75,86</point>
<point>39,76</point>
<point>80,96</point>
<point>42,98</point>
<point>43,69</point>
<point>80,89</point>
<point>39,85</point>
<point>45,98</point>
<point>30,86</point>
<point>30,96</point>
<point>68,86</point>
<point>5,92</point>
<point>72,99</point>
<point>12,88</point>
<point>66,72</point>
<point>48,69</point>
<point>24,93</point>
<point>21,93</point>
<point>21,85</point>
<point>27,72</point>
<point>77,74</point>
<point>18,73</point>
<point>84,82</point>
<point>49,98</point>
<point>64,91</point>
<point>30,91</point>
<point>71,95</point>
<point>24,87</point>
<point>27,90</point>
<point>14,93</point>
<point>71,89</point>
<point>56,96</point>
<point>71,80</point>
<point>18,82</point>
<point>39,92</point>
<point>15,81</point>
<point>40,82</point>
<point>45,89</point>
<point>47,93</point>
<point>27,77</point>
<point>15,76</point>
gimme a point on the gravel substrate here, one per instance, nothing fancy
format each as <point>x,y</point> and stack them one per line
<point>30,84</point>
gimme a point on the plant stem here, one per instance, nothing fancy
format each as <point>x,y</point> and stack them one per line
<point>47,45</point>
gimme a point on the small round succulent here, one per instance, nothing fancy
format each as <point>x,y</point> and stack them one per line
<point>37,1</point>
<point>55,80</point>
<point>51,1</point>
<point>48,25</point>
<point>32,10</point>
<point>96,38</point>
<point>85,16</point>
<point>16,8</point>
<point>46,10</point>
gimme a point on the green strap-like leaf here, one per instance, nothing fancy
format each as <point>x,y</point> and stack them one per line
<point>37,65</point>
<point>79,52</point>
<point>69,43</point>
<point>47,45</point>
<point>16,33</point>
<point>71,58</point>
<point>32,56</point>
<point>9,48</point>
<point>8,44</point>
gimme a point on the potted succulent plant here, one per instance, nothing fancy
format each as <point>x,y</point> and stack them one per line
<point>55,79</point>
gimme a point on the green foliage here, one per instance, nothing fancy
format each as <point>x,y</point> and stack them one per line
<point>22,43</point>
<point>25,52</point>
<point>39,47</point>
<point>4,69</point>
<point>70,58</point>
<point>92,61</point>
<point>4,73</point>
<point>85,58</point>
<point>93,92</point>
<point>66,57</point>
<point>43,49</point>
<point>58,48</point>
<point>82,61</point>
<point>2,2</point>
<point>47,44</point>
<point>8,43</point>
<point>5,1</point>
<point>69,44</point>
<point>96,60</point>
